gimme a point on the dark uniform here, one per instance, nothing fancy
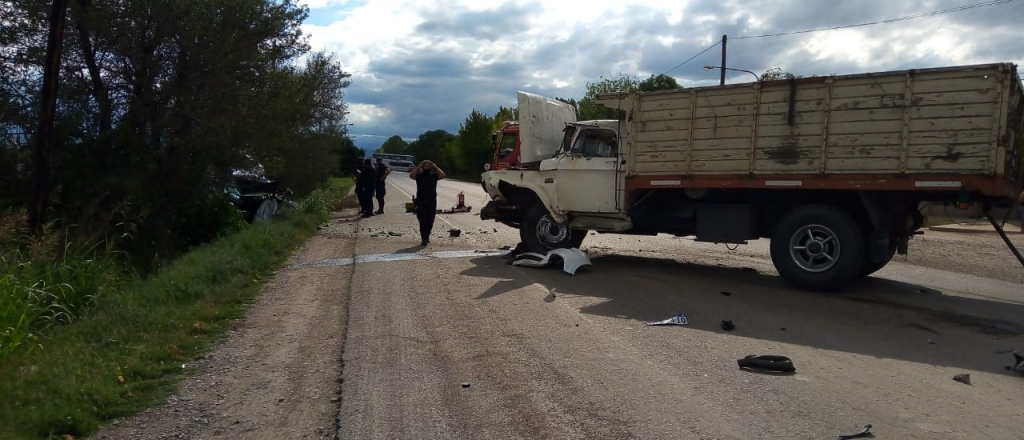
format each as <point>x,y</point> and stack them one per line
<point>381,188</point>
<point>365,185</point>
<point>426,202</point>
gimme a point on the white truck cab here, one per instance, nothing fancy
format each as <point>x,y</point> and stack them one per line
<point>574,182</point>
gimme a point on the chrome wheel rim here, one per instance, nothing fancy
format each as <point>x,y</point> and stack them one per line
<point>550,232</point>
<point>815,248</point>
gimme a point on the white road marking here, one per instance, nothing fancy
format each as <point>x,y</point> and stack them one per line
<point>374,258</point>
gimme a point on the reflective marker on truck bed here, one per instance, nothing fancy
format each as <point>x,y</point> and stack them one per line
<point>783,183</point>
<point>665,182</point>
<point>937,184</point>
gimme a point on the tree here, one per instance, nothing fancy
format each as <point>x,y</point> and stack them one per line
<point>430,144</point>
<point>47,114</point>
<point>658,82</point>
<point>157,102</point>
<point>776,73</point>
<point>503,115</point>
<point>348,155</point>
<point>474,142</point>
<point>394,145</point>
<point>588,108</point>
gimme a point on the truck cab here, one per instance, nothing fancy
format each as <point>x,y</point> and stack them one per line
<point>569,177</point>
<point>506,147</point>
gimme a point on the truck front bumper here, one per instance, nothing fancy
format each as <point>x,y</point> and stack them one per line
<point>501,211</point>
<point>490,211</point>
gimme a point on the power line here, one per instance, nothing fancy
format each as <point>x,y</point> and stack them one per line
<point>695,56</point>
<point>891,20</point>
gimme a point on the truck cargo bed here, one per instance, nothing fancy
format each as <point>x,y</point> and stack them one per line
<point>956,122</point>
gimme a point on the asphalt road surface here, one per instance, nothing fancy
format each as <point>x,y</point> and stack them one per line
<point>451,342</point>
<point>548,355</point>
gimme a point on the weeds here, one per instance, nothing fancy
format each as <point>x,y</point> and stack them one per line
<point>123,348</point>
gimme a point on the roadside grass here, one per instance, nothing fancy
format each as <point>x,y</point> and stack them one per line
<point>127,351</point>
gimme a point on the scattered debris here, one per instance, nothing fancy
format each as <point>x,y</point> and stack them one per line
<point>727,325</point>
<point>394,234</point>
<point>454,232</point>
<point>1018,362</point>
<point>374,235</point>
<point>726,293</point>
<point>335,400</point>
<point>783,329</point>
<point>466,384</point>
<point>679,319</point>
<point>495,230</point>
<point>866,432</point>
<point>505,248</point>
<point>963,378</point>
<point>772,363</point>
<point>572,259</point>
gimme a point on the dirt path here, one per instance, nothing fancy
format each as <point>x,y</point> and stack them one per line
<point>277,373</point>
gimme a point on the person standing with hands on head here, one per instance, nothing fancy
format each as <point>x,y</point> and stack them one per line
<point>426,175</point>
<point>364,188</point>
<point>382,174</point>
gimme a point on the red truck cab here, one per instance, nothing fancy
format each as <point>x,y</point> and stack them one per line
<point>506,147</point>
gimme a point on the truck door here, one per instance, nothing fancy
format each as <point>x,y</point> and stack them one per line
<point>587,172</point>
<point>506,150</point>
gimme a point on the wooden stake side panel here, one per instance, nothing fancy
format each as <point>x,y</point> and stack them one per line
<point>917,122</point>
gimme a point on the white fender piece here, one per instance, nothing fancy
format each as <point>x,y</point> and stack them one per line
<point>572,259</point>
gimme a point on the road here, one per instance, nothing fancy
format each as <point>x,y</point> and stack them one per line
<point>449,341</point>
<point>582,364</point>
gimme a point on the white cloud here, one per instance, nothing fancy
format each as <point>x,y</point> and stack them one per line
<point>421,65</point>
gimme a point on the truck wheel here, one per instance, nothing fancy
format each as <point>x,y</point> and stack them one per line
<point>872,267</point>
<point>818,247</point>
<point>541,233</point>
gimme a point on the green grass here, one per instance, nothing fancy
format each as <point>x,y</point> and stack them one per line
<point>125,352</point>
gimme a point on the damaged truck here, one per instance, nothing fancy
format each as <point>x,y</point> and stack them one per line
<point>833,170</point>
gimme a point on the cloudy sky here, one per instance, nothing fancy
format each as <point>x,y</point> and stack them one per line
<point>420,65</point>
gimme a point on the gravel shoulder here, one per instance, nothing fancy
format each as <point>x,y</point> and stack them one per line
<point>277,372</point>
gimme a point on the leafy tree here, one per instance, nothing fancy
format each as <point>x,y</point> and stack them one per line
<point>505,114</point>
<point>776,73</point>
<point>429,145</point>
<point>394,145</point>
<point>348,155</point>
<point>588,107</point>
<point>658,82</point>
<point>157,102</point>
<point>474,142</point>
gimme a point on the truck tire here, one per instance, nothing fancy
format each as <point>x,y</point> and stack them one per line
<point>540,233</point>
<point>818,247</point>
<point>872,267</point>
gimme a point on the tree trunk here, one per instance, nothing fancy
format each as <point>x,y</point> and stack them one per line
<point>47,114</point>
<point>99,91</point>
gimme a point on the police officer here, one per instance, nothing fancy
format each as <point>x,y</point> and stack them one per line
<point>365,184</point>
<point>426,175</point>
<point>382,174</point>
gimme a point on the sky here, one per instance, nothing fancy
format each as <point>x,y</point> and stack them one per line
<point>421,65</point>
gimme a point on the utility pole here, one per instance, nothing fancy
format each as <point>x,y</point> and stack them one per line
<point>47,113</point>
<point>725,39</point>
